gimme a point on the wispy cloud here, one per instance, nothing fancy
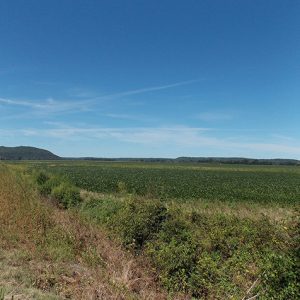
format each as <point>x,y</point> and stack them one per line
<point>213,116</point>
<point>149,89</point>
<point>19,103</point>
<point>140,118</point>
<point>283,137</point>
<point>77,92</point>
<point>88,101</point>
<point>176,137</point>
<point>144,135</point>
<point>47,106</point>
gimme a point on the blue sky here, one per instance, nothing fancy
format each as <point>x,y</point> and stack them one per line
<point>154,78</point>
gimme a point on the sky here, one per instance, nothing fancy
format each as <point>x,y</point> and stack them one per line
<point>159,78</point>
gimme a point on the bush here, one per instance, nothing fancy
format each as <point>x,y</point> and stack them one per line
<point>175,261</point>
<point>174,253</point>
<point>204,253</point>
<point>41,178</point>
<point>46,188</point>
<point>139,220</point>
<point>205,276</point>
<point>216,255</point>
<point>102,211</point>
<point>281,278</point>
<point>67,195</point>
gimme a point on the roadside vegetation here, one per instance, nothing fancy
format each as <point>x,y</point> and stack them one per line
<point>124,245</point>
<point>204,249</point>
<point>47,252</point>
<point>205,254</point>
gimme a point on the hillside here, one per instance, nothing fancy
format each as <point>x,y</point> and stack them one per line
<point>32,153</point>
<point>26,153</point>
<point>216,160</point>
<point>240,160</point>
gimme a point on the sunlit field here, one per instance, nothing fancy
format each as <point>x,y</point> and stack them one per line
<point>169,181</point>
<point>206,231</point>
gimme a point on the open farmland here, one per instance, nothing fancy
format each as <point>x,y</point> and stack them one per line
<point>205,231</point>
<point>261,184</point>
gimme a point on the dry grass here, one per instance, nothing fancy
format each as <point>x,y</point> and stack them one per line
<point>47,253</point>
<point>253,211</point>
<point>22,217</point>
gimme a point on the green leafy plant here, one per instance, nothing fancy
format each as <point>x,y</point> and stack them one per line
<point>46,188</point>
<point>41,178</point>
<point>281,277</point>
<point>139,220</point>
<point>67,195</point>
<point>102,211</point>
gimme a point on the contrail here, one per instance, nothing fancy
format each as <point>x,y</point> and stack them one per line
<point>150,89</point>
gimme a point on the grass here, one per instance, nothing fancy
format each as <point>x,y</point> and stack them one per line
<point>213,247</point>
<point>49,253</point>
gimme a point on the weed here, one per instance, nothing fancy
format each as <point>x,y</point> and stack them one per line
<point>2,293</point>
<point>67,195</point>
<point>138,220</point>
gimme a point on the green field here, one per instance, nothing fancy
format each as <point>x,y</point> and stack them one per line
<point>262,184</point>
<point>207,231</point>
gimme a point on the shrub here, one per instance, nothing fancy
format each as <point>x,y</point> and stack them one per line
<point>41,178</point>
<point>174,253</point>
<point>102,211</point>
<point>47,187</point>
<point>139,220</point>
<point>216,255</point>
<point>281,278</point>
<point>67,195</point>
<point>205,276</point>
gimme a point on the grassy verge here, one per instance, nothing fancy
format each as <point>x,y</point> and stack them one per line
<point>221,255</point>
<point>205,253</point>
<point>203,250</point>
<point>51,253</point>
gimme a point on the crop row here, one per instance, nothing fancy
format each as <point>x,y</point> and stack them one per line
<point>180,183</point>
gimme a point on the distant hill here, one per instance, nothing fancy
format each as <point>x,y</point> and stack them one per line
<point>240,160</point>
<point>216,160</point>
<point>26,153</point>
<point>32,153</point>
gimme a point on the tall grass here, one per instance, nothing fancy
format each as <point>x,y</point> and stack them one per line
<point>23,218</point>
<point>50,249</point>
<point>2,293</point>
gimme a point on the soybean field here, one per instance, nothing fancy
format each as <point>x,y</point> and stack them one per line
<point>263,184</point>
